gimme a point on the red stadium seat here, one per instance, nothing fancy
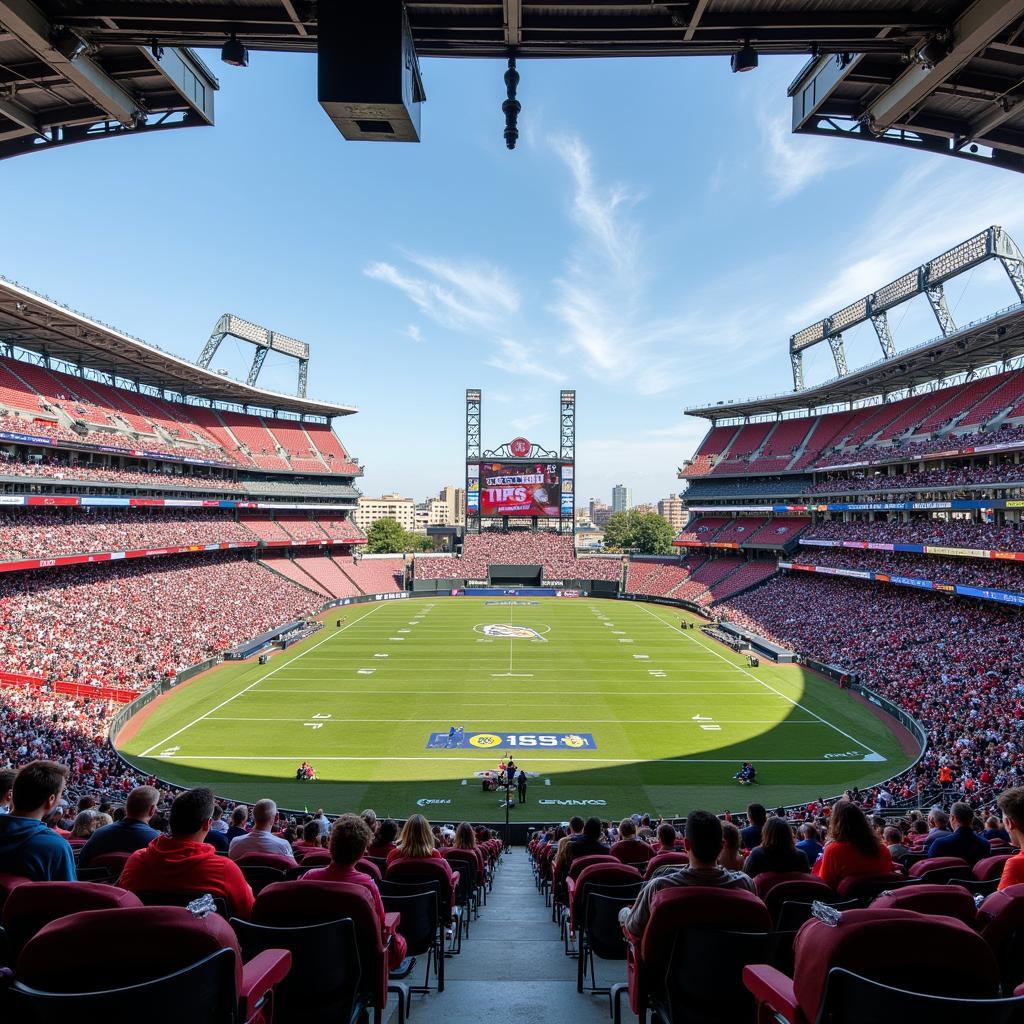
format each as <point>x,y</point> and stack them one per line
<point>664,860</point>
<point>177,966</point>
<point>687,924</point>
<point>31,906</point>
<point>267,860</point>
<point>939,869</point>
<point>913,952</point>
<point>989,868</point>
<point>1001,924</point>
<point>292,912</point>
<point>932,899</point>
<point>767,880</point>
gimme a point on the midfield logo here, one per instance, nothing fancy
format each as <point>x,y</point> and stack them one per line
<point>510,632</point>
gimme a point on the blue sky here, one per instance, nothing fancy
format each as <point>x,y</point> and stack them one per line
<point>653,242</point>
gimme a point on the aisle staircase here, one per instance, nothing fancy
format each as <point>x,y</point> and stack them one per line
<point>514,969</point>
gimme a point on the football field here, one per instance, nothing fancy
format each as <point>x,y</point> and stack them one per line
<point>607,704</point>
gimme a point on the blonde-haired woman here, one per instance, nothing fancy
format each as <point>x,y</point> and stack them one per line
<point>416,842</point>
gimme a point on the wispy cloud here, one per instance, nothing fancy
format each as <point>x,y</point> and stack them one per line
<point>517,358</point>
<point>459,296</point>
<point>413,333</point>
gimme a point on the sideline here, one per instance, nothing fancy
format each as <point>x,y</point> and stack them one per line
<point>739,668</point>
<point>256,682</point>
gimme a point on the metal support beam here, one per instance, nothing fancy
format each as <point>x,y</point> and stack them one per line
<point>838,354</point>
<point>211,346</point>
<point>257,365</point>
<point>26,21</point>
<point>880,321</point>
<point>20,115</point>
<point>303,377</point>
<point>937,300</point>
<point>975,29</point>
<point>698,13</point>
<point>513,17</point>
<point>797,359</point>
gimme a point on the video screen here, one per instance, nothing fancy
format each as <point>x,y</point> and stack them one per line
<point>506,489</point>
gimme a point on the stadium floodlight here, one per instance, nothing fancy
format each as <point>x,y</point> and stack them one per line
<point>234,53</point>
<point>745,59</point>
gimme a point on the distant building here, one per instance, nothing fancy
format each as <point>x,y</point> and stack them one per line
<point>599,512</point>
<point>622,498</point>
<point>643,509</point>
<point>455,499</point>
<point>671,509</point>
<point>388,506</point>
<point>434,512</point>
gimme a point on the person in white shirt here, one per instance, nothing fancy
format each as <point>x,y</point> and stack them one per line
<point>260,839</point>
<point>321,820</point>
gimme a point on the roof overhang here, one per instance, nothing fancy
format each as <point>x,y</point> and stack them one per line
<point>995,339</point>
<point>37,324</point>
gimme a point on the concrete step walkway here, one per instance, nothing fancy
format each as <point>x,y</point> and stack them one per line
<point>512,968</point>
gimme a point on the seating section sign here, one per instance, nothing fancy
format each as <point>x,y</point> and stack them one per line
<point>459,739</point>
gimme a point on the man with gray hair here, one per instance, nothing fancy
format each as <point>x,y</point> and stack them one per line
<point>131,833</point>
<point>261,839</point>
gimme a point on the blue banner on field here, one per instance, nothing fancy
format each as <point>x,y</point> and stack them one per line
<point>510,741</point>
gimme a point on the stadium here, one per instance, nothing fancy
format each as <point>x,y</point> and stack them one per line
<point>771,772</point>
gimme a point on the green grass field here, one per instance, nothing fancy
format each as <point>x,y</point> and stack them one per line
<point>671,712</point>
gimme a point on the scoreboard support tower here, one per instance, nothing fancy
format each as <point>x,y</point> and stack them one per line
<point>565,457</point>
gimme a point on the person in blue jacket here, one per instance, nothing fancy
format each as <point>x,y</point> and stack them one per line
<point>28,848</point>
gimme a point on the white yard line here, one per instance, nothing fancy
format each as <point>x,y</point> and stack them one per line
<point>739,668</point>
<point>266,675</point>
<point>545,721</point>
<point>567,759</point>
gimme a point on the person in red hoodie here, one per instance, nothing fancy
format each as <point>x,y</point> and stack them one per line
<point>182,862</point>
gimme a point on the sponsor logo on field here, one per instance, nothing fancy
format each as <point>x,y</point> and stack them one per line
<point>426,802</point>
<point>510,632</point>
<point>572,803</point>
<point>513,743</point>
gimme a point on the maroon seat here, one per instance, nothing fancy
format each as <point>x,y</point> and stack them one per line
<point>595,874</point>
<point>112,862</point>
<point>805,889</point>
<point>939,869</point>
<point>580,863</point>
<point>867,887</point>
<point>677,910</point>
<point>635,852</point>
<point>989,868</point>
<point>77,954</point>
<point>425,869</point>
<point>316,858</point>
<point>369,868</point>
<point>31,906</point>
<point>930,898</point>
<point>936,955</point>
<point>1001,924</point>
<point>299,903</point>
<point>664,860</point>
<point>267,860</point>
<point>7,884</point>
<point>767,880</point>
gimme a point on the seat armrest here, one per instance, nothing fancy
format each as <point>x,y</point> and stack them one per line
<point>455,880</point>
<point>260,975</point>
<point>570,887</point>
<point>392,920</point>
<point>770,986</point>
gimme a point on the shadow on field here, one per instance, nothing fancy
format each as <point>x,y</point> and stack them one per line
<point>666,786</point>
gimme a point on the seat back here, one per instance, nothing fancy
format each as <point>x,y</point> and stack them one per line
<point>990,867</point>
<point>939,869</point>
<point>664,860</point>
<point>201,993</point>
<point>866,887</point>
<point>31,906</point>
<point>580,863</point>
<point>7,883</point>
<point>316,858</point>
<point>421,919</point>
<point>605,938</point>
<point>369,868</point>
<point>767,880</point>
<point>267,860</point>
<point>146,944</point>
<point>805,889</point>
<point>418,870</point>
<point>926,898</point>
<point>326,979</point>
<point>113,863</point>
<point>180,898</point>
<point>895,947</point>
<point>853,999</point>
<point>701,908</point>
<point>1001,924</point>
<point>465,862</point>
<point>259,877</point>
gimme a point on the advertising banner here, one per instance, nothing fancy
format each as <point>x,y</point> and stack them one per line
<point>523,489</point>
